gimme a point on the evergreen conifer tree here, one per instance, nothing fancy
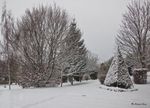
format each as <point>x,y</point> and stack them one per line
<point>75,51</point>
<point>118,75</point>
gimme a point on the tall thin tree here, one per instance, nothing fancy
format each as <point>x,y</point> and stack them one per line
<point>6,31</point>
<point>74,52</point>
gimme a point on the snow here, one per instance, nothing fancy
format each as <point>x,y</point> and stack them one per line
<point>87,94</point>
<point>139,69</point>
<point>117,89</point>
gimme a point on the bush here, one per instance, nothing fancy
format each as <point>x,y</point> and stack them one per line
<point>104,67</point>
<point>64,79</point>
<point>86,77</point>
<point>93,76</point>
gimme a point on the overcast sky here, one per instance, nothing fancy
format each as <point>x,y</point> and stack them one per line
<point>99,20</point>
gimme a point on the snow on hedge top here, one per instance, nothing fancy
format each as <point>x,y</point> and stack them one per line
<point>141,69</point>
<point>118,73</point>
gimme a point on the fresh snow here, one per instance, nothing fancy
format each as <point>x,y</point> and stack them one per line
<point>87,94</point>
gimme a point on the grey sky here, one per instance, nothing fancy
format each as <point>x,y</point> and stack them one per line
<point>99,20</point>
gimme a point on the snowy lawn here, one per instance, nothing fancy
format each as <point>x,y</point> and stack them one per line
<point>87,94</point>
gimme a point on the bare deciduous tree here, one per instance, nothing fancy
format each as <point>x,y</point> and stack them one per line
<point>37,40</point>
<point>133,37</point>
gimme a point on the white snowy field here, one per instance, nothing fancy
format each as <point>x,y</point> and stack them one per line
<point>87,94</point>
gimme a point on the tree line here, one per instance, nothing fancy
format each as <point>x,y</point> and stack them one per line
<point>133,38</point>
<point>42,47</point>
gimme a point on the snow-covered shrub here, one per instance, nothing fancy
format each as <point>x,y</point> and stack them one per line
<point>86,77</point>
<point>93,75</point>
<point>118,75</point>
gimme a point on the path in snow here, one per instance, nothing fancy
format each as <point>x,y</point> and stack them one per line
<point>87,94</point>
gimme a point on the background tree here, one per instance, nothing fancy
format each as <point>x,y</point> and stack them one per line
<point>7,30</point>
<point>73,53</point>
<point>134,34</point>
<point>104,67</point>
<point>92,66</point>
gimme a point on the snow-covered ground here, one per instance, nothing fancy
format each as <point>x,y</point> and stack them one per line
<point>87,94</point>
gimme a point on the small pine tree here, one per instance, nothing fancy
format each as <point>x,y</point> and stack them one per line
<point>118,75</point>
